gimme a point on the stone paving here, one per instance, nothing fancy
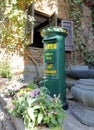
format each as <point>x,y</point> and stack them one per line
<point>71,123</point>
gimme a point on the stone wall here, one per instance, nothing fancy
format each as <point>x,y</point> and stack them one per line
<point>33,64</point>
<point>87,30</point>
<point>61,7</point>
<point>46,6</point>
<point>77,57</point>
<point>23,67</point>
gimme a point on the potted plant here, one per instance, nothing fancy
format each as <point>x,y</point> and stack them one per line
<point>37,109</point>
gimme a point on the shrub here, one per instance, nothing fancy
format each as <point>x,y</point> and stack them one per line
<point>5,70</point>
<point>37,108</point>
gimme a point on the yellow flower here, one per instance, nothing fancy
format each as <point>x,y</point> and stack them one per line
<point>23,91</point>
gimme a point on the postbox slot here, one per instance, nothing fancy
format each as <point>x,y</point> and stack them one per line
<point>50,40</point>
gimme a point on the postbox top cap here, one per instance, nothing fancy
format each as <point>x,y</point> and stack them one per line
<point>56,30</point>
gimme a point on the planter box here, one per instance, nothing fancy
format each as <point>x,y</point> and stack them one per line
<point>19,125</point>
<point>45,128</point>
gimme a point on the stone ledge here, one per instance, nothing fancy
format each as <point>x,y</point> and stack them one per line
<point>3,100</point>
<point>18,123</point>
<point>84,115</point>
<point>3,83</point>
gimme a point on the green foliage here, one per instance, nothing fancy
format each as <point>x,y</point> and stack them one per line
<point>5,70</point>
<point>75,16</point>
<point>13,25</point>
<point>89,57</point>
<point>37,108</point>
<point>92,15</point>
<point>79,47</point>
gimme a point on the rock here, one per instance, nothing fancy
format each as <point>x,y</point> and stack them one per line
<point>8,125</point>
<point>3,100</point>
<point>3,83</point>
<point>80,74</point>
<point>1,124</point>
<point>83,92</point>
<point>79,67</point>
<point>1,129</point>
<point>18,123</point>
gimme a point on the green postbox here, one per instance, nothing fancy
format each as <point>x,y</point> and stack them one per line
<point>54,61</point>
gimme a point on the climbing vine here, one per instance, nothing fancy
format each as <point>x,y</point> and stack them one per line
<point>13,34</point>
<point>76,7</point>
<point>75,16</point>
<point>92,15</point>
<point>13,24</point>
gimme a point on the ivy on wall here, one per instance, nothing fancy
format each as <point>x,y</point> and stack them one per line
<point>13,24</point>
<point>75,16</point>
<point>92,15</point>
<point>80,50</point>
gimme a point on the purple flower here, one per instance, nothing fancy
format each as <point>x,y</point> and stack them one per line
<point>55,113</point>
<point>25,84</point>
<point>34,93</point>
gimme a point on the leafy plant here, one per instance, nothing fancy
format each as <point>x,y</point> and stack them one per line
<point>5,70</point>
<point>89,57</point>
<point>13,24</point>
<point>75,16</point>
<point>92,15</point>
<point>37,108</point>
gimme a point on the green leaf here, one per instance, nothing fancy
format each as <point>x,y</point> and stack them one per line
<point>31,101</point>
<point>40,117</point>
<point>54,121</point>
<point>60,120</point>
<point>36,107</point>
<point>31,114</point>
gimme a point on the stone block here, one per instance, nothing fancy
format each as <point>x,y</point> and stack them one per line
<point>7,125</point>
<point>18,123</point>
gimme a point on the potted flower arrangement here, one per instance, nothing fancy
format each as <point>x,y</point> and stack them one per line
<point>37,108</point>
